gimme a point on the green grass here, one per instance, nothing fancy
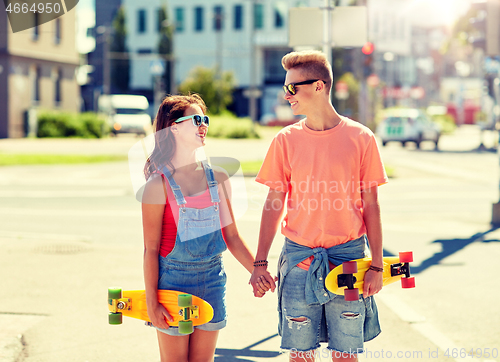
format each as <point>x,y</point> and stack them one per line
<point>11,159</point>
<point>229,126</point>
<point>250,168</point>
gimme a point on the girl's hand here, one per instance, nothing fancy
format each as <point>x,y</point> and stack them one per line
<point>262,281</point>
<point>159,316</point>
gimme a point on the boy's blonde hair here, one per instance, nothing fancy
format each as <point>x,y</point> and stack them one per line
<point>312,63</point>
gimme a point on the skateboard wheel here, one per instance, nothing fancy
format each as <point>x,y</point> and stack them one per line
<point>115,318</point>
<point>351,295</point>
<point>349,267</point>
<point>408,282</point>
<point>114,293</point>
<point>185,300</point>
<point>406,256</point>
<point>186,327</point>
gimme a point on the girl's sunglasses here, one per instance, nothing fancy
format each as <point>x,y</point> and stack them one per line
<point>290,88</point>
<point>197,120</point>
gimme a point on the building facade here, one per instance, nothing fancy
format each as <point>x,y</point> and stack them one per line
<point>248,38</point>
<point>37,72</point>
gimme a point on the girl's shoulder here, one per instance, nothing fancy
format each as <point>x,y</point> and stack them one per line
<point>154,190</point>
<point>220,174</point>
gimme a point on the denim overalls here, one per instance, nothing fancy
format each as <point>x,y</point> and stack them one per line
<point>195,266</point>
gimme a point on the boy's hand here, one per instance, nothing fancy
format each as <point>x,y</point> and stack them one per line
<point>373,283</point>
<point>262,281</point>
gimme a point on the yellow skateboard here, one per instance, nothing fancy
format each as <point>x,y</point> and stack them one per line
<point>187,310</point>
<point>348,279</point>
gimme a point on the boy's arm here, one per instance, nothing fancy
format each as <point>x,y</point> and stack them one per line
<point>372,220</point>
<point>271,218</point>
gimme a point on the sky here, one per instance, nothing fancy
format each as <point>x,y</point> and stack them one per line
<point>436,12</point>
<point>85,19</point>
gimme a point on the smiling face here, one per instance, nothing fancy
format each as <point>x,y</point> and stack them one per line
<point>187,133</point>
<point>303,98</point>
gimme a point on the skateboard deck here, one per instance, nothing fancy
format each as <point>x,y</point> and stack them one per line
<point>187,310</point>
<point>348,279</point>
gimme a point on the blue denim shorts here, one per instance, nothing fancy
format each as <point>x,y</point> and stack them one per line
<point>206,281</point>
<point>338,322</point>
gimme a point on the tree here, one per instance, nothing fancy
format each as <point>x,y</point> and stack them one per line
<point>216,92</point>
<point>166,47</point>
<point>120,64</point>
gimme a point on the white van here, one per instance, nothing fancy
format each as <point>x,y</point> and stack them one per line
<point>126,113</point>
<point>408,125</point>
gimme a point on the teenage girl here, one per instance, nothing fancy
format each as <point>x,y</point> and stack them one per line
<point>188,223</point>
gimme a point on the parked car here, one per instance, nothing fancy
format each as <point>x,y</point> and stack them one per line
<point>408,125</point>
<point>126,113</point>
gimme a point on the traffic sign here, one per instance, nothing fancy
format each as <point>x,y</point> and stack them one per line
<point>349,26</point>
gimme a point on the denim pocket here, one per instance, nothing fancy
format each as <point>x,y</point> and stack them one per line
<point>200,238</point>
<point>368,306</point>
<point>197,228</point>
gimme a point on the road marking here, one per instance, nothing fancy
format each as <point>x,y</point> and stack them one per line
<point>72,213</point>
<point>42,194</point>
<point>40,236</point>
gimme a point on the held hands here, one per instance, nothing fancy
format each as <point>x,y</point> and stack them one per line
<point>159,316</point>
<point>262,281</point>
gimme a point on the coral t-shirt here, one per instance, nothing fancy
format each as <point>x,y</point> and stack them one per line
<point>323,173</point>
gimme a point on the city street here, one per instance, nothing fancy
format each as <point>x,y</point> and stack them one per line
<point>69,232</point>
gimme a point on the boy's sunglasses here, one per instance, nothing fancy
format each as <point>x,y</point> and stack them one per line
<point>197,120</point>
<point>290,88</point>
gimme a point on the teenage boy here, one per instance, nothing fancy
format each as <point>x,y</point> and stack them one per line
<point>330,168</point>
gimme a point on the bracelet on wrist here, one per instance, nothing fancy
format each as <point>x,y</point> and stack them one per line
<point>260,263</point>
<point>376,269</point>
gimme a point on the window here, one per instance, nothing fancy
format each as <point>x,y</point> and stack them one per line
<point>238,17</point>
<point>36,27</point>
<point>57,24</point>
<point>37,76</point>
<point>258,16</point>
<point>280,11</point>
<point>57,86</point>
<point>198,18</point>
<point>218,18</point>
<point>141,21</point>
<point>179,19</point>
<point>273,71</point>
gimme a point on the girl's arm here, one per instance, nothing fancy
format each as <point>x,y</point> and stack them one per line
<point>153,206</point>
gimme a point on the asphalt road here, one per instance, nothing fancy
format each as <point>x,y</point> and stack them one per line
<point>69,232</point>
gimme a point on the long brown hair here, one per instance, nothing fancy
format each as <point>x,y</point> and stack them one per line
<point>171,109</point>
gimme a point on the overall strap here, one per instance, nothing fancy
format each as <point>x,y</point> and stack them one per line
<point>176,189</point>
<point>212,184</point>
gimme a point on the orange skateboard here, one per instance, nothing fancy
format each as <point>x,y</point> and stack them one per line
<point>348,279</point>
<point>187,310</point>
